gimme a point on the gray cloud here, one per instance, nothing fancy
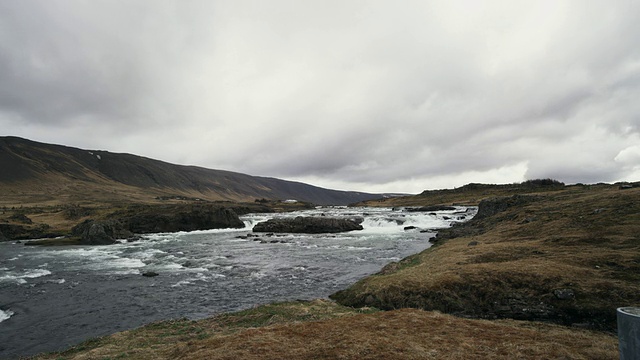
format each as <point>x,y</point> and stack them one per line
<point>356,95</point>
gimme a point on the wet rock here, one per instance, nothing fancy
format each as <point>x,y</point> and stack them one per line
<point>134,238</point>
<point>307,225</point>
<point>103,232</point>
<point>406,228</point>
<point>150,274</point>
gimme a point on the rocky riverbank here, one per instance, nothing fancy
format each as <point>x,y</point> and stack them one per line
<point>106,225</point>
<point>567,256</point>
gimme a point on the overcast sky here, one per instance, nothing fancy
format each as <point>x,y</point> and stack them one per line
<point>379,96</point>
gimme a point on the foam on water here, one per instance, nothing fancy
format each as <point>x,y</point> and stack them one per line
<point>21,276</point>
<point>382,221</point>
<point>5,315</point>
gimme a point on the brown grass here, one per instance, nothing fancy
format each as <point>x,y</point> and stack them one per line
<point>584,240</point>
<point>345,334</point>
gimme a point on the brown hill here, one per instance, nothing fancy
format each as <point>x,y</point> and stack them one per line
<point>37,173</point>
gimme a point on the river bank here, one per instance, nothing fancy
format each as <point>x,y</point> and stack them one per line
<point>564,255</point>
<point>63,295</point>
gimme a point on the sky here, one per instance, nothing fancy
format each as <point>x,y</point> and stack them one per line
<point>377,96</point>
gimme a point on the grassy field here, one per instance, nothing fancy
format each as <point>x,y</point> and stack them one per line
<point>324,330</point>
<point>537,274</point>
<point>569,256</point>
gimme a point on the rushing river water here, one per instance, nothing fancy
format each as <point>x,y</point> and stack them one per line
<point>55,297</point>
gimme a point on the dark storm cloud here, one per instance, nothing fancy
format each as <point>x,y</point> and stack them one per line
<point>365,95</point>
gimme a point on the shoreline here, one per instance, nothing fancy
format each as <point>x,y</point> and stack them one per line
<point>517,253</point>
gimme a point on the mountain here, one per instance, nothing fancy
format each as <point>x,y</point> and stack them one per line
<point>33,172</point>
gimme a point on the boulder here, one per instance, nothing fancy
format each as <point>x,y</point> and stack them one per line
<point>103,232</point>
<point>308,225</point>
<point>492,206</point>
<point>196,218</point>
<point>24,232</point>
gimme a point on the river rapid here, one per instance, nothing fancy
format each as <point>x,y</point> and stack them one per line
<point>54,297</point>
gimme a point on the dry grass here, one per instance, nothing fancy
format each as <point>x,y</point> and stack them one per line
<point>323,330</point>
<point>584,240</point>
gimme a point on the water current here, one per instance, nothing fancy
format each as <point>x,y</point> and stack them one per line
<point>54,297</point>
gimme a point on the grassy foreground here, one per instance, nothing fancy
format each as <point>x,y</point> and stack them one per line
<point>491,288</point>
<point>324,330</point>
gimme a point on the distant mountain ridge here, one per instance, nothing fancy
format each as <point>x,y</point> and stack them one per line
<point>32,169</point>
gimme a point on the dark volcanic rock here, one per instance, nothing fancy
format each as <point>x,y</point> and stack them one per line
<point>21,218</point>
<point>20,232</point>
<point>103,232</point>
<point>489,207</point>
<point>308,225</point>
<point>195,218</point>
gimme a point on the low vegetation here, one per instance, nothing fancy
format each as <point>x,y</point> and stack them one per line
<point>568,256</point>
<point>324,330</point>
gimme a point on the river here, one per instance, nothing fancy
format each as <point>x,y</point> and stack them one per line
<point>54,297</point>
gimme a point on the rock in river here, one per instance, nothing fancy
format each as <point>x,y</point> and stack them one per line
<point>101,232</point>
<point>308,225</point>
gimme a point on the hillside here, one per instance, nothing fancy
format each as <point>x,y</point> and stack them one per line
<point>537,274</point>
<point>35,173</point>
<point>567,255</point>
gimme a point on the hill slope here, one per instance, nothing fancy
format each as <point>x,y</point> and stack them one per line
<point>34,172</point>
<point>568,256</point>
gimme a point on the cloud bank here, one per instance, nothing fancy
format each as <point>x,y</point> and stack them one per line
<point>358,95</point>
